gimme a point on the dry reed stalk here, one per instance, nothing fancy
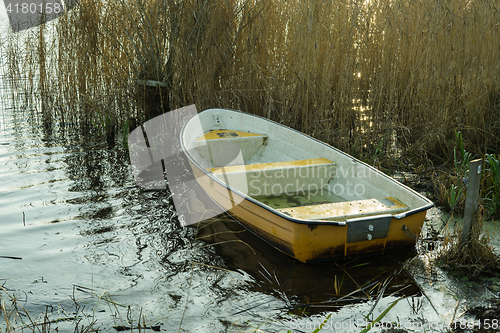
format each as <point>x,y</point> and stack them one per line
<point>434,71</point>
<point>348,72</point>
<point>473,259</point>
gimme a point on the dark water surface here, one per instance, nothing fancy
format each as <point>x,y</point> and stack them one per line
<point>95,247</point>
<point>70,209</point>
<point>86,235</point>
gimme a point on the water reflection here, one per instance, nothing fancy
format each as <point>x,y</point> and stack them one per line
<point>92,234</point>
<point>307,288</point>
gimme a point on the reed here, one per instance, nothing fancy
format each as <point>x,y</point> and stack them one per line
<point>350,73</point>
<point>16,318</point>
<point>461,160</point>
<point>451,186</point>
<point>473,259</point>
<point>492,187</point>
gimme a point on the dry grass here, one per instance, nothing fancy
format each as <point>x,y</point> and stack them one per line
<point>472,259</point>
<point>347,72</point>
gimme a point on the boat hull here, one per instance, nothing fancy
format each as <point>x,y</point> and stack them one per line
<point>314,240</point>
<point>309,242</point>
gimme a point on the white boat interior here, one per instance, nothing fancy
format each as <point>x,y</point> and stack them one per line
<point>292,172</point>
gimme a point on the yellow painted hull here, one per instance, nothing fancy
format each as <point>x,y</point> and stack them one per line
<point>309,242</point>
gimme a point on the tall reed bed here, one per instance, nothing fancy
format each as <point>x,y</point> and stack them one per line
<point>349,72</point>
<point>435,69</point>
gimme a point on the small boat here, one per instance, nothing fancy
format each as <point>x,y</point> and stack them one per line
<point>304,197</point>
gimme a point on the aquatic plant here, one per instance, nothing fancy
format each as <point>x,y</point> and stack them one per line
<point>492,191</point>
<point>16,317</point>
<point>462,161</point>
<point>455,193</point>
<point>472,259</point>
<point>337,284</point>
<point>452,187</point>
<point>374,322</point>
<point>369,323</point>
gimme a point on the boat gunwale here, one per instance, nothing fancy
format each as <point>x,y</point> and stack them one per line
<point>210,174</point>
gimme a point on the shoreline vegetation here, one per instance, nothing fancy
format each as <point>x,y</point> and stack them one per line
<point>400,85</point>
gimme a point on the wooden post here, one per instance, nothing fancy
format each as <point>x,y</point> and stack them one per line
<point>470,214</point>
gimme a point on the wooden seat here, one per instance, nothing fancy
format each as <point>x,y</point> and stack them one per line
<point>340,211</point>
<point>272,165</point>
<point>222,147</point>
<point>227,134</point>
<point>277,178</point>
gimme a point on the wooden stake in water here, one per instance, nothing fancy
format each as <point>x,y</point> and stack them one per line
<point>470,214</point>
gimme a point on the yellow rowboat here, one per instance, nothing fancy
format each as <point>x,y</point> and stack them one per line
<point>304,197</point>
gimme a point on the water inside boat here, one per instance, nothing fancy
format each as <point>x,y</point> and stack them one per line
<point>300,188</point>
<point>307,198</point>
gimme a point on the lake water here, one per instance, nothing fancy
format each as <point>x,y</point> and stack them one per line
<point>82,244</point>
<point>87,235</point>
